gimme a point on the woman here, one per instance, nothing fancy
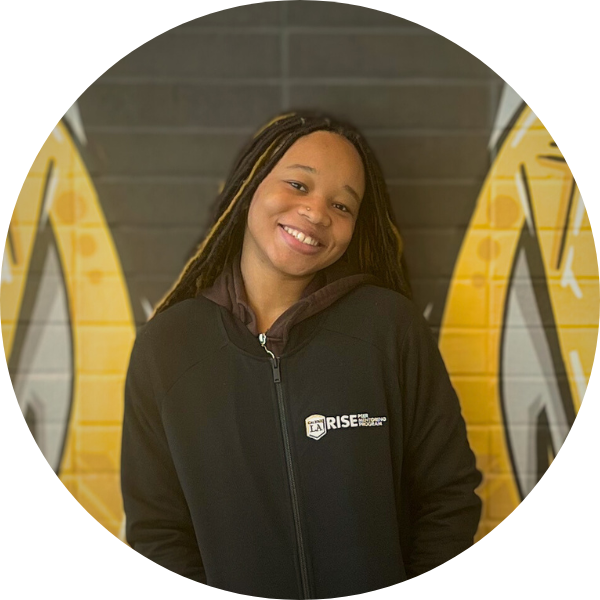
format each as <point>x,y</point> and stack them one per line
<point>290,430</point>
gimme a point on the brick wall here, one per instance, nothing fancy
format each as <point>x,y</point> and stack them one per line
<point>165,123</point>
<point>105,222</point>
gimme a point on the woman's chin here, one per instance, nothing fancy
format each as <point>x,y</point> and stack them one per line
<point>297,273</point>
<point>293,267</point>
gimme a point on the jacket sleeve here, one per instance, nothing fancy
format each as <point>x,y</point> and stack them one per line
<point>158,522</point>
<point>439,476</point>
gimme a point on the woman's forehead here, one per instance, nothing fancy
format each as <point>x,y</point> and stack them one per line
<point>325,152</point>
<point>326,141</point>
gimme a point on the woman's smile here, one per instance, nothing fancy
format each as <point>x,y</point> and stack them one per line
<point>300,240</point>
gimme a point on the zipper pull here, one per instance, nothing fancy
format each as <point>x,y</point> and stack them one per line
<point>262,338</point>
<point>276,371</point>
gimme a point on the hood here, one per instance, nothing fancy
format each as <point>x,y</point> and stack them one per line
<point>327,286</point>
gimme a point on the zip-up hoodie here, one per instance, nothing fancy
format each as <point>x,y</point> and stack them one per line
<point>335,465</point>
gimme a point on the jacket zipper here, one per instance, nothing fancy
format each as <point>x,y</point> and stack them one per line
<point>262,338</point>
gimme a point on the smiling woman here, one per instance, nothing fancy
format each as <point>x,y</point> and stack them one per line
<point>290,430</point>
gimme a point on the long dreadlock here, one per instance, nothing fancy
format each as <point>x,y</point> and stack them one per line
<point>376,245</point>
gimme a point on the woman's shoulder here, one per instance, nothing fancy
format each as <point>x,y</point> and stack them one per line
<point>176,339</point>
<point>377,301</point>
<point>372,313</point>
<point>179,322</point>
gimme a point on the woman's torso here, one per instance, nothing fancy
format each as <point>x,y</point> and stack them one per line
<point>292,475</point>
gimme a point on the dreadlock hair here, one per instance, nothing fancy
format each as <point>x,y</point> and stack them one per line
<point>376,245</point>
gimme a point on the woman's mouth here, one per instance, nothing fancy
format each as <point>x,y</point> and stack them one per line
<point>300,241</point>
<point>300,236</point>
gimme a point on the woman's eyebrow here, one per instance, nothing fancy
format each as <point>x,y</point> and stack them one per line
<point>303,167</point>
<point>352,193</point>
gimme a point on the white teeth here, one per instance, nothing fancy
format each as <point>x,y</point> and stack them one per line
<point>305,239</point>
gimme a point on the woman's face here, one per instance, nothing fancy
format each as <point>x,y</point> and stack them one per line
<point>302,216</point>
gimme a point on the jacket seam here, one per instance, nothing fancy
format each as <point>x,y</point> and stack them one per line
<point>161,397</point>
<point>406,427</point>
<point>405,336</point>
<point>381,352</point>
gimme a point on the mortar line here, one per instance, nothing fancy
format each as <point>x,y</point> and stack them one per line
<point>284,49</point>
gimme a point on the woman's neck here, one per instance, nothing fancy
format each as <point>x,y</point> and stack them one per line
<point>270,293</point>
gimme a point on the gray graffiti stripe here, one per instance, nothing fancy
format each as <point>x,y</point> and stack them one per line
<point>532,395</point>
<point>41,364</point>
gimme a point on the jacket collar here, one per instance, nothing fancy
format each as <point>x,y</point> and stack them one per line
<point>327,286</point>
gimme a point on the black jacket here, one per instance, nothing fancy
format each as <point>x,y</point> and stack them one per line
<point>222,483</point>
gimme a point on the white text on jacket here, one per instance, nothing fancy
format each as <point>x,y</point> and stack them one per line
<point>318,425</point>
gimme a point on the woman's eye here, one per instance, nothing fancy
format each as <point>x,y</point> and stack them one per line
<point>298,186</point>
<point>341,207</point>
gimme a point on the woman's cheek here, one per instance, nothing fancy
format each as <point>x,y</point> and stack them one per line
<point>273,204</point>
<point>351,229</point>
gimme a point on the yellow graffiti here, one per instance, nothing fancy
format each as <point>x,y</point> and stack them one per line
<point>470,338</point>
<point>101,318</point>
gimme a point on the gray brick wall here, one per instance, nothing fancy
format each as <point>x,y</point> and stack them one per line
<point>165,123</point>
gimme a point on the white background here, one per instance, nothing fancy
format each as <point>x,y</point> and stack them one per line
<point>51,51</point>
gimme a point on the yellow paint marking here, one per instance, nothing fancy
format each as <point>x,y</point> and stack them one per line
<point>98,297</point>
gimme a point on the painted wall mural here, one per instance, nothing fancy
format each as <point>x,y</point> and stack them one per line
<point>521,320</point>
<point>67,325</point>
<point>516,313</point>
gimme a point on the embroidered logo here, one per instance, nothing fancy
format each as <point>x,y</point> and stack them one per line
<point>318,425</point>
<point>315,426</point>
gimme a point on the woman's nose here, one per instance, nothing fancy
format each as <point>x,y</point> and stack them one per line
<point>315,210</point>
